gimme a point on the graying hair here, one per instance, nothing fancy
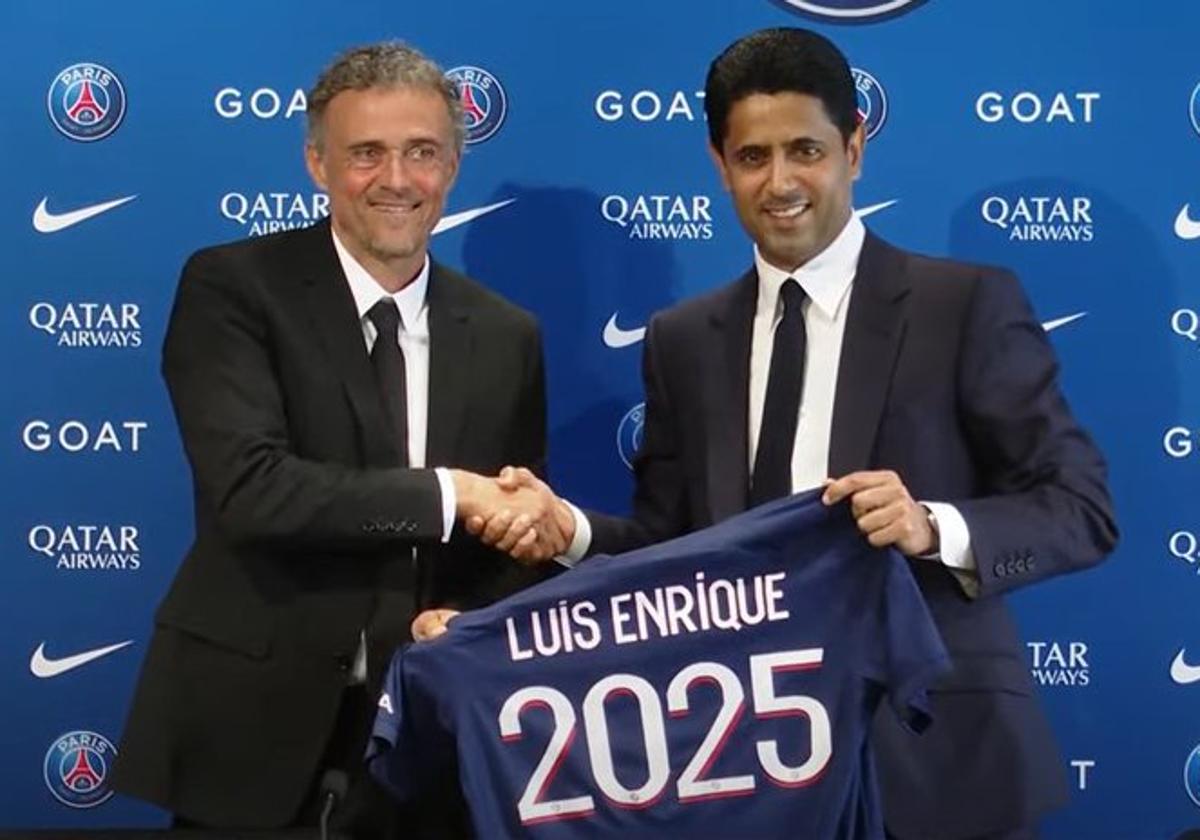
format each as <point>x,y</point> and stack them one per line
<point>388,64</point>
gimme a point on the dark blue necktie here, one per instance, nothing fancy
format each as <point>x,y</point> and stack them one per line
<point>772,476</point>
<point>388,361</point>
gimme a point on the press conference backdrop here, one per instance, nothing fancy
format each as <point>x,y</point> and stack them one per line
<point>1060,139</point>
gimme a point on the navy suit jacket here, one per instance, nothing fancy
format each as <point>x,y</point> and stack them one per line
<point>947,378</point>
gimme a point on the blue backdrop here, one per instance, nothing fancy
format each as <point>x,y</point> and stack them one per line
<point>1054,138</point>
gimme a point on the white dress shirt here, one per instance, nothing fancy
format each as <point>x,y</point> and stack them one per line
<point>828,283</point>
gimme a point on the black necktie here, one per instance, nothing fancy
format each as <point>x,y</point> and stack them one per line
<point>388,361</point>
<point>772,477</point>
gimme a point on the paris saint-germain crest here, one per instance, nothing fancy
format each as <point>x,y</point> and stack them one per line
<point>872,101</point>
<point>86,101</point>
<point>629,433</point>
<point>484,101</point>
<point>76,768</point>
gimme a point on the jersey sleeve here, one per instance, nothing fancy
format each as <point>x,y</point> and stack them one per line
<point>913,655</point>
<point>391,748</point>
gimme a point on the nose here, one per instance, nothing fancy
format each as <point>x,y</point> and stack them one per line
<point>394,173</point>
<point>782,176</point>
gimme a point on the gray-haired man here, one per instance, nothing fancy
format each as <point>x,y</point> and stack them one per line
<point>323,380</point>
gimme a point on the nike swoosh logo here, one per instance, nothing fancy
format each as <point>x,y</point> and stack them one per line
<point>1185,226</point>
<point>617,338</point>
<point>42,666</point>
<point>1182,672</point>
<point>46,222</point>
<point>863,212</point>
<point>1061,322</point>
<point>457,219</point>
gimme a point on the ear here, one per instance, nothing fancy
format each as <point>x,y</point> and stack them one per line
<point>855,147</point>
<point>719,162</point>
<point>316,166</point>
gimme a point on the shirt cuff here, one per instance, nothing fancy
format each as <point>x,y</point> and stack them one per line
<point>580,543</point>
<point>955,552</point>
<point>449,501</point>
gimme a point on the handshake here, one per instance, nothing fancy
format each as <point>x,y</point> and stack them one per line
<point>515,512</point>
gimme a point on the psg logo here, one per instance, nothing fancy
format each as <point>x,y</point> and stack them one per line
<point>76,768</point>
<point>1191,775</point>
<point>852,11</point>
<point>872,101</point>
<point>86,102</point>
<point>483,99</point>
<point>1194,108</point>
<point>629,433</point>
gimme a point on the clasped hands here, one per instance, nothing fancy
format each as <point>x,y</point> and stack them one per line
<point>515,512</point>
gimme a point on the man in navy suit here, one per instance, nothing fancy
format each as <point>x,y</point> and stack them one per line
<point>925,388</point>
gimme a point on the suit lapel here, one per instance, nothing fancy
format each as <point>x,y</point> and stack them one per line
<point>870,346</point>
<point>727,397</point>
<point>336,325</point>
<point>450,350</point>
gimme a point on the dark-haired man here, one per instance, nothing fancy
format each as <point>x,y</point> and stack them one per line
<point>923,392</point>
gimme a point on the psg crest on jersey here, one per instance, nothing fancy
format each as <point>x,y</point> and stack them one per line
<point>872,101</point>
<point>629,433</point>
<point>852,11</point>
<point>76,768</point>
<point>86,102</point>
<point>484,101</point>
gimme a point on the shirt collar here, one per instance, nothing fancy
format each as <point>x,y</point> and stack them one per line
<point>825,278</point>
<point>367,292</point>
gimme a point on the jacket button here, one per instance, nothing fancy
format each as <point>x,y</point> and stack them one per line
<point>343,662</point>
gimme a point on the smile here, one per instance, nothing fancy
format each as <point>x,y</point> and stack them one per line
<point>791,211</point>
<point>395,209</point>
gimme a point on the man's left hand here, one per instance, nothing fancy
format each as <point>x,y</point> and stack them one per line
<point>431,623</point>
<point>884,511</point>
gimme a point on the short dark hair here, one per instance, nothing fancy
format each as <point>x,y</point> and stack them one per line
<point>780,60</point>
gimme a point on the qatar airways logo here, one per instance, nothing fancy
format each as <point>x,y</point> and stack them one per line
<point>88,548</point>
<point>1040,218</point>
<point>660,216</point>
<point>88,324</point>
<point>1062,664</point>
<point>270,212</point>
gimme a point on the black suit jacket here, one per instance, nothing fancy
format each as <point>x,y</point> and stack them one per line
<point>947,378</point>
<point>305,525</point>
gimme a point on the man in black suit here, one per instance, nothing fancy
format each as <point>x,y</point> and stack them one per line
<point>319,377</point>
<point>926,389</point>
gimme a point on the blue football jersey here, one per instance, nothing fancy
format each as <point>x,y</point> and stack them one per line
<point>718,685</point>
